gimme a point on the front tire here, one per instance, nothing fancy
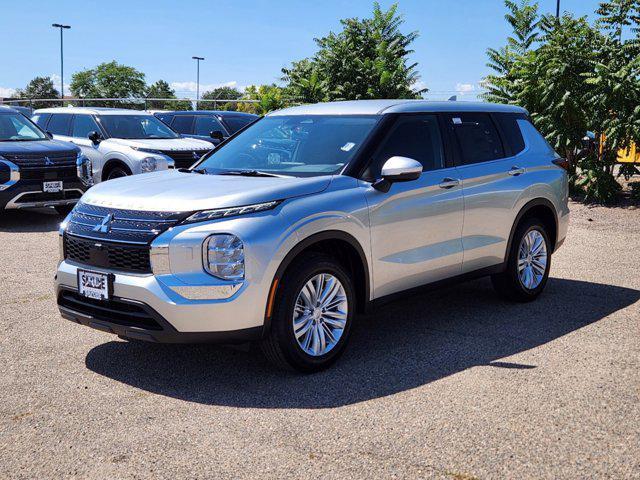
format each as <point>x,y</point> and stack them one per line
<point>313,313</point>
<point>528,264</point>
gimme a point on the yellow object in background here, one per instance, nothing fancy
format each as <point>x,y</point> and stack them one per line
<point>630,155</point>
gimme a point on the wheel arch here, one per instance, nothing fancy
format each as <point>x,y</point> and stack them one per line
<point>339,244</point>
<point>542,209</point>
<point>111,164</point>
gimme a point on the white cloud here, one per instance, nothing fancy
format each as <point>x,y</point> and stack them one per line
<point>191,87</point>
<point>7,92</point>
<point>465,88</point>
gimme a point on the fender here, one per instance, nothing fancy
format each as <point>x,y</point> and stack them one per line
<point>523,211</point>
<point>302,245</point>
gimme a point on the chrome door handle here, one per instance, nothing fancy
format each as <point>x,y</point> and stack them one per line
<point>449,183</point>
<point>515,171</point>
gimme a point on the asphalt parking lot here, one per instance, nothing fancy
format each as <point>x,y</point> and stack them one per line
<point>450,384</point>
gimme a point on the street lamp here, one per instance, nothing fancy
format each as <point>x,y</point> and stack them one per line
<point>558,9</point>
<point>197,59</point>
<point>61,27</point>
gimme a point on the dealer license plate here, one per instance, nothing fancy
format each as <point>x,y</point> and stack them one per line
<point>93,284</point>
<point>52,187</point>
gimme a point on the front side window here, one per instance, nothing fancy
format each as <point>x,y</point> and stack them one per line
<point>139,127</point>
<point>83,125</point>
<point>15,127</point>
<point>41,119</point>
<point>296,145</point>
<point>412,136</point>
<point>182,124</point>
<point>60,123</point>
<point>207,124</point>
<point>477,137</point>
<point>236,122</point>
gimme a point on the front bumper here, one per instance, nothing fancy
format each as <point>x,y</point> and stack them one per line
<point>147,307</point>
<point>29,194</point>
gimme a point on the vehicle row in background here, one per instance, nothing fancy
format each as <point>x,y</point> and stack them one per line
<point>211,125</point>
<point>119,142</point>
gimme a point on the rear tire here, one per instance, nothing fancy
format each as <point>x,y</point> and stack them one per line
<point>528,264</point>
<point>321,330</point>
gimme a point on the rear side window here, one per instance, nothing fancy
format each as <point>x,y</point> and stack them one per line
<point>206,124</point>
<point>60,123</point>
<point>508,123</point>
<point>182,123</point>
<point>477,137</point>
<point>83,125</point>
<point>41,119</point>
<point>412,136</point>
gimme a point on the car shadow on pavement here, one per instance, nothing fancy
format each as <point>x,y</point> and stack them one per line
<point>35,220</point>
<point>401,346</point>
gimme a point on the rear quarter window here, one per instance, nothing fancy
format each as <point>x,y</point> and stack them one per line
<point>508,123</point>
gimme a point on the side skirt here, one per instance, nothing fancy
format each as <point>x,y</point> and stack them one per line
<point>465,277</point>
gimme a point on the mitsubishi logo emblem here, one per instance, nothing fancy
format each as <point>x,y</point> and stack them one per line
<point>196,156</point>
<point>105,225</point>
<point>48,162</point>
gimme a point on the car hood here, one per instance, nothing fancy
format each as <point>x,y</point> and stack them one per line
<point>174,191</point>
<point>38,146</point>
<point>163,144</point>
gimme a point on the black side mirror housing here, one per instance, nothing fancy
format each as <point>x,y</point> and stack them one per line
<point>95,137</point>
<point>217,135</point>
<point>49,134</point>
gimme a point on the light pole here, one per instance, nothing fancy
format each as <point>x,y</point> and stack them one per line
<point>61,27</point>
<point>197,59</point>
<point>557,9</point>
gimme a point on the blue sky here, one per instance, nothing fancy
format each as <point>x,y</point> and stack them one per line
<point>244,41</point>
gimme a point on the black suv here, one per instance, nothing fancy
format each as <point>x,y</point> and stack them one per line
<point>35,171</point>
<point>211,125</point>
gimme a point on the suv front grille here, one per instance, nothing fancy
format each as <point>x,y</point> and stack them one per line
<point>127,258</point>
<point>43,160</point>
<point>184,158</point>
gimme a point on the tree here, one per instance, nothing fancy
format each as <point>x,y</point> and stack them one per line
<point>367,59</point>
<point>109,80</point>
<point>502,86</point>
<point>39,87</point>
<point>269,97</point>
<point>222,93</point>
<point>161,89</point>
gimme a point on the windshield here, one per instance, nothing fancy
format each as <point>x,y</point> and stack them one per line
<point>136,127</point>
<point>302,146</point>
<point>15,127</point>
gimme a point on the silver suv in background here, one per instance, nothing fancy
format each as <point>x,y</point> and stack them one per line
<point>118,142</point>
<point>312,214</point>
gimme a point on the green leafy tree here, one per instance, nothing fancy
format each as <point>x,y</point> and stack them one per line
<point>39,87</point>
<point>268,98</point>
<point>503,85</point>
<point>109,80</point>
<point>367,59</point>
<point>221,93</point>
<point>161,89</point>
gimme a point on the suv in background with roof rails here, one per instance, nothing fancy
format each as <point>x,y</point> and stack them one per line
<point>211,125</point>
<point>35,171</point>
<point>118,142</point>
<point>281,234</point>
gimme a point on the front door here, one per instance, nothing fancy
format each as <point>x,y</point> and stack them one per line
<point>81,127</point>
<point>416,226</point>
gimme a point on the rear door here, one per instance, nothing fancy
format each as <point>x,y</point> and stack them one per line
<point>492,182</point>
<point>416,226</point>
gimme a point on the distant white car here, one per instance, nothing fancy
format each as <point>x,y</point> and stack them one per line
<point>118,142</point>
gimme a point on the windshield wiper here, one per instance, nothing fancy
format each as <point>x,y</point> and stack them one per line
<point>248,173</point>
<point>201,171</point>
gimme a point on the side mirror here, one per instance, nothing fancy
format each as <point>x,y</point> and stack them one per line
<point>95,137</point>
<point>217,135</point>
<point>398,169</point>
<point>49,134</point>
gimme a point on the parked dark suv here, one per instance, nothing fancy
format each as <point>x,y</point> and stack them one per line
<point>211,125</point>
<point>35,171</point>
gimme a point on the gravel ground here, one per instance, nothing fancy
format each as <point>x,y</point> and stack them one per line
<point>450,384</point>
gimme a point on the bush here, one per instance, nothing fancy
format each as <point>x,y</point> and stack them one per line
<point>598,186</point>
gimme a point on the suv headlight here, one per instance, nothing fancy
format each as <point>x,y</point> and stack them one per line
<point>231,211</point>
<point>223,256</point>
<point>148,164</point>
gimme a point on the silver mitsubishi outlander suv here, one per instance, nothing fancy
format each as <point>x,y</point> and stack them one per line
<point>310,215</point>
